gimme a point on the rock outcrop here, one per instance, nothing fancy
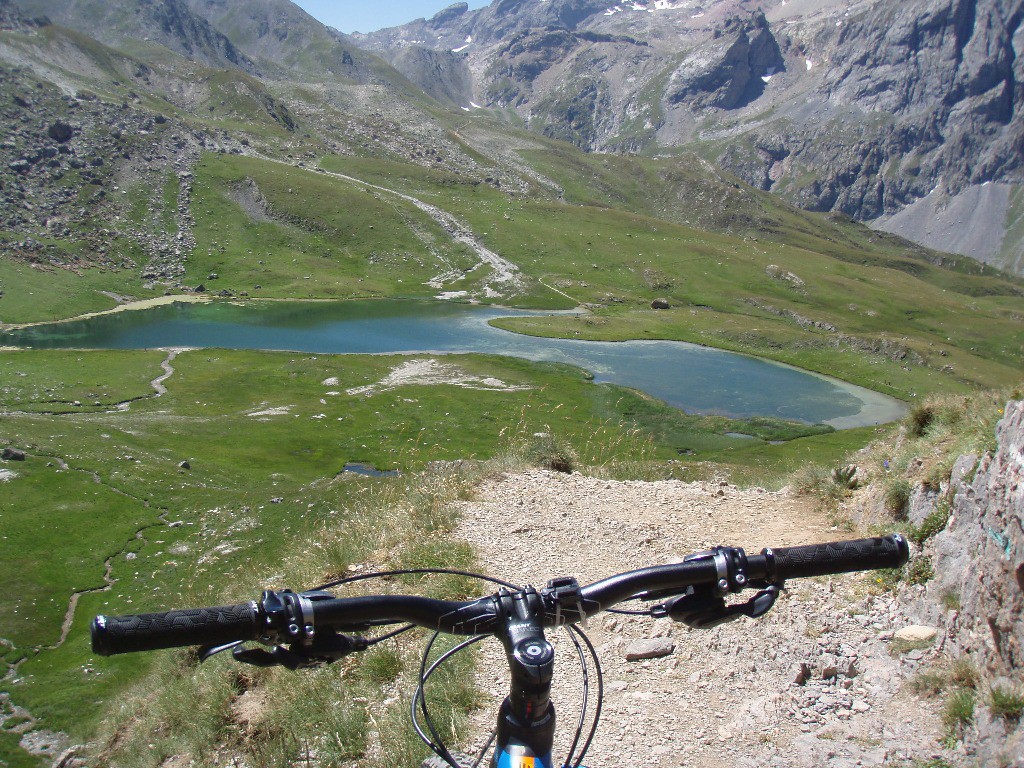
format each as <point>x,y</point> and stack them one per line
<point>980,556</point>
<point>977,592</point>
<point>729,73</point>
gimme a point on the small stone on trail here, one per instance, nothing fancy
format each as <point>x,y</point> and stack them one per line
<point>651,648</point>
<point>916,633</point>
<point>184,465</point>
<point>803,674</point>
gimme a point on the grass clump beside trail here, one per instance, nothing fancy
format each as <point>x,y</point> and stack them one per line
<point>223,710</point>
<point>958,714</point>
<point>956,682</point>
<point>1006,702</point>
<point>920,452</point>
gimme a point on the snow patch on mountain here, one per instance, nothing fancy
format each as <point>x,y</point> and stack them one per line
<point>646,7</point>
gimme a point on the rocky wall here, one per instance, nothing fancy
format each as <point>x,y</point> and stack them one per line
<point>977,593</point>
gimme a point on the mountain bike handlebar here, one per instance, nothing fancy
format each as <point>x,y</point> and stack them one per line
<point>284,618</point>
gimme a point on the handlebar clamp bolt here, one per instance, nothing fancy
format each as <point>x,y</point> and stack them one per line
<point>741,579</point>
<point>723,584</point>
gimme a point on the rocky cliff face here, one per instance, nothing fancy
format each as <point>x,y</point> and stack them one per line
<point>442,75</point>
<point>280,33</point>
<point>865,109</point>
<point>729,73</point>
<point>980,556</point>
<point>977,593</point>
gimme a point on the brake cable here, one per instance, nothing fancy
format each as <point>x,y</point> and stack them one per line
<point>413,571</point>
<point>586,694</point>
<point>434,741</point>
<point>600,692</point>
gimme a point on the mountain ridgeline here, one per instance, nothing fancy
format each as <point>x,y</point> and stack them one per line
<point>907,114</point>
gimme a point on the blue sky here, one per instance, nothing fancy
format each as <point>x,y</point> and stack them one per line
<point>369,15</point>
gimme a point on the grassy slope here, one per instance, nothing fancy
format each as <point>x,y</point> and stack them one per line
<point>320,237</point>
<point>620,261</point>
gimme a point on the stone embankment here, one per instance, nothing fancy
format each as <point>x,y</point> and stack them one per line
<point>977,595</point>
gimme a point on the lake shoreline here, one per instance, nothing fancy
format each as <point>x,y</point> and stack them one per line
<point>695,378</point>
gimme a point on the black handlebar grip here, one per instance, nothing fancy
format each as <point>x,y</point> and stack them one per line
<point>889,551</point>
<point>171,629</point>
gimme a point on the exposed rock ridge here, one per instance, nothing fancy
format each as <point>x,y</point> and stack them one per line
<point>979,569</point>
<point>167,22</point>
<point>729,75</point>
<point>980,555</point>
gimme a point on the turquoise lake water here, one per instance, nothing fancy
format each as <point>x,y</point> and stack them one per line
<point>694,378</point>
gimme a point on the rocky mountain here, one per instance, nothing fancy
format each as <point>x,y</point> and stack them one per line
<point>147,22</point>
<point>905,114</point>
<point>96,136</point>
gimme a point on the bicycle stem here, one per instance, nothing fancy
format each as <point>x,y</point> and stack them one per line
<point>526,719</point>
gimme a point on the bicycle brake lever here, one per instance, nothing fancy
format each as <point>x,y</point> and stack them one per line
<point>206,651</point>
<point>325,649</point>
<point>704,610</point>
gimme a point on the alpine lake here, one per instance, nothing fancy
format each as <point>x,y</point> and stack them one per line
<point>696,379</point>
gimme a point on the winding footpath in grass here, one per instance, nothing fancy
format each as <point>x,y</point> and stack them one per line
<point>505,273</point>
<point>45,742</point>
<point>69,616</point>
<point>122,406</point>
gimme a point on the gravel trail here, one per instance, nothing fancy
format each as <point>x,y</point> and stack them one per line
<point>725,695</point>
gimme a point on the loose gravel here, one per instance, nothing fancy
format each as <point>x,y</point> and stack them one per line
<point>816,682</point>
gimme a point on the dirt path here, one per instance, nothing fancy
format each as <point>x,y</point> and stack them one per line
<point>726,695</point>
<point>168,370</point>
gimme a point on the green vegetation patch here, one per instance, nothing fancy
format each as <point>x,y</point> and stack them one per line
<point>673,430</point>
<point>273,230</point>
<point>59,525</point>
<point>47,381</point>
<point>31,294</point>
